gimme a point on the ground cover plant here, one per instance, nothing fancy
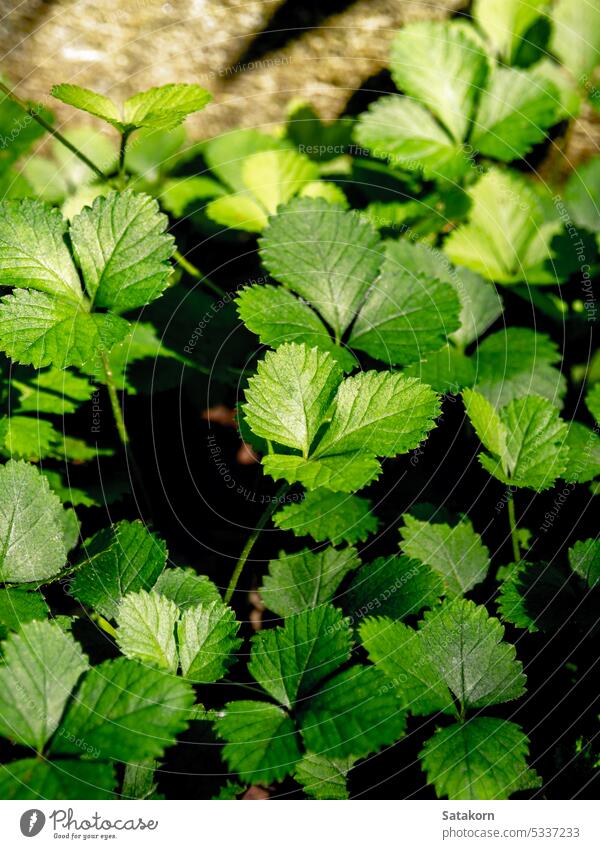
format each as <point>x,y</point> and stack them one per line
<point>300,448</point>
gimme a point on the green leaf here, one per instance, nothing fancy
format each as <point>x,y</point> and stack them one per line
<point>261,742</point>
<point>26,438</point>
<point>326,515</point>
<point>487,423</point>
<point>146,629</point>
<point>505,22</point>
<point>33,251</point>
<point>584,559</point>
<point>164,107</point>
<point>121,559</point>
<point>322,777</point>
<point>306,580</point>
<point>278,316</point>
<point>343,473</point>
<point>581,193</point>
<point>125,711</point>
<point>583,462</point>
<point>89,101</point>
<point>17,607</point>
<point>226,153</point>
<point>514,113</point>
<point>123,250</point>
<point>240,212</point>
<point>441,66</point>
<point>182,196</point>
<point>536,596</point>
<point>405,315</point>
<point>289,397</point>
<point>288,662</point>
<point>592,401</point>
<point>455,552</point>
<point>31,525</point>
<point>324,254</point>
<point>50,391</point>
<point>576,36</point>
<point>465,645</point>
<point>275,176</point>
<point>41,666</point>
<point>392,586</point>
<point>355,714</point>
<point>37,779</point>
<point>400,653</point>
<point>507,238</point>
<point>207,640</point>
<point>447,370</point>
<point>186,588</point>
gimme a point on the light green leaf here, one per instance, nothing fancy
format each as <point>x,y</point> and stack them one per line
<point>324,254</point>
<point>261,742</point>
<point>225,154</point>
<point>31,525</point>
<point>355,714</point>
<point>581,195</point>
<point>274,176</point>
<point>41,665</point>
<point>584,559</point>
<point>306,579</point>
<point>447,370</point>
<point>583,462</point>
<point>164,107</point>
<point>505,22</point>
<point>18,607</point>
<point>186,588</point>
<point>322,777</point>
<point>330,516</point>
<point>241,212</point>
<point>392,586</point>
<point>182,196</point>
<point>575,36</point>
<point>454,552</point>
<point>89,101</point>
<point>438,64</point>
<point>125,711</point>
<point>343,473</point>
<point>330,192</point>
<point>207,640</point>
<point>483,758</point>
<point>52,390</point>
<point>487,423</point>
<point>36,779</point>
<point>288,662</point>
<point>146,629</point>
<point>592,401</point>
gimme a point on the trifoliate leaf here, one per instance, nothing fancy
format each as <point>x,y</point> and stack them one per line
<point>41,665</point>
<point>439,65</point>
<point>307,579</point>
<point>278,316</point>
<point>392,586</point>
<point>288,662</point>
<point>122,250</point>
<point>126,711</point>
<point>207,640</point>
<point>146,629</point>
<point>400,653</point>
<point>483,758</point>
<point>505,22</point>
<point>261,741</point>
<point>354,714</point>
<point>465,645</point>
<point>514,113</point>
<point>322,777</point>
<point>324,254</point>
<point>455,552</point>
<point>118,560</point>
<point>584,559</point>
<point>33,778</point>
<point>506,238</point>
<point>289,397</point>
<point>583,462</point>
<point>186,588</point>
<point>18,607</point>
<point>581,194</point>
<point>89,101</point>
<point>343,473</point>
<point>576,36</point>
<point>31,525</point>
<point>326,515</point>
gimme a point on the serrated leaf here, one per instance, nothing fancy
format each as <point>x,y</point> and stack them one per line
<point>455,552</point>
<point>322,777</point>
<point>118,560</point>
<point>536,596</point>
<point>466,647</point>
<point>581,193</point>
<point>41,665</point>
<point>51,390</point>
<point>438,64</point>
<point>36,779</point>
<point>146,629</point>
<point>344,473</point>
<point>289,661</point>
<point>31,525</point>
<point>447,370</point>
<point>164,107</point>
<point>505,22</point>
<point>392,586</point>
<point>326,515</point>
<point>306,580</point>
<point>323,254</point>
<point>354,714</point>
<point>487,423</point>
<point>483,758</point>
<point>186,588</point>
<point>400,653</point>
<point>17,607</point>
<point>584,559</point>
<point>89,101</point>
<point>125,711</point>
<point>576,36</point>
<point>123,250</point>
<point>206,634</point>
<point>583,462</point>
<point>261,741</point>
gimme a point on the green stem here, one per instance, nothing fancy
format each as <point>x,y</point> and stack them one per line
<point>104,624</point>
<point>196,273</point>
<point>122,150</point>
<point>50,129</point>
<point>114,401</point>
<point>251,541</point>
<point>513,528</point>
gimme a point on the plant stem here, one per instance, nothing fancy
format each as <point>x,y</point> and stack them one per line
<point>251,541</point>
<point>104,624</point>
<point>196,273</point>
<point>50,129</point>
<point>122,149</point>
<point>513,528</point>
<point>114,402</point>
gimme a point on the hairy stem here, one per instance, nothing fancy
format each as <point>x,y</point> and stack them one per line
<point>114,402</point>
<point>31,111</point>
<point>252,540</point>
<point>513,529</point>
<point>196,273</point>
